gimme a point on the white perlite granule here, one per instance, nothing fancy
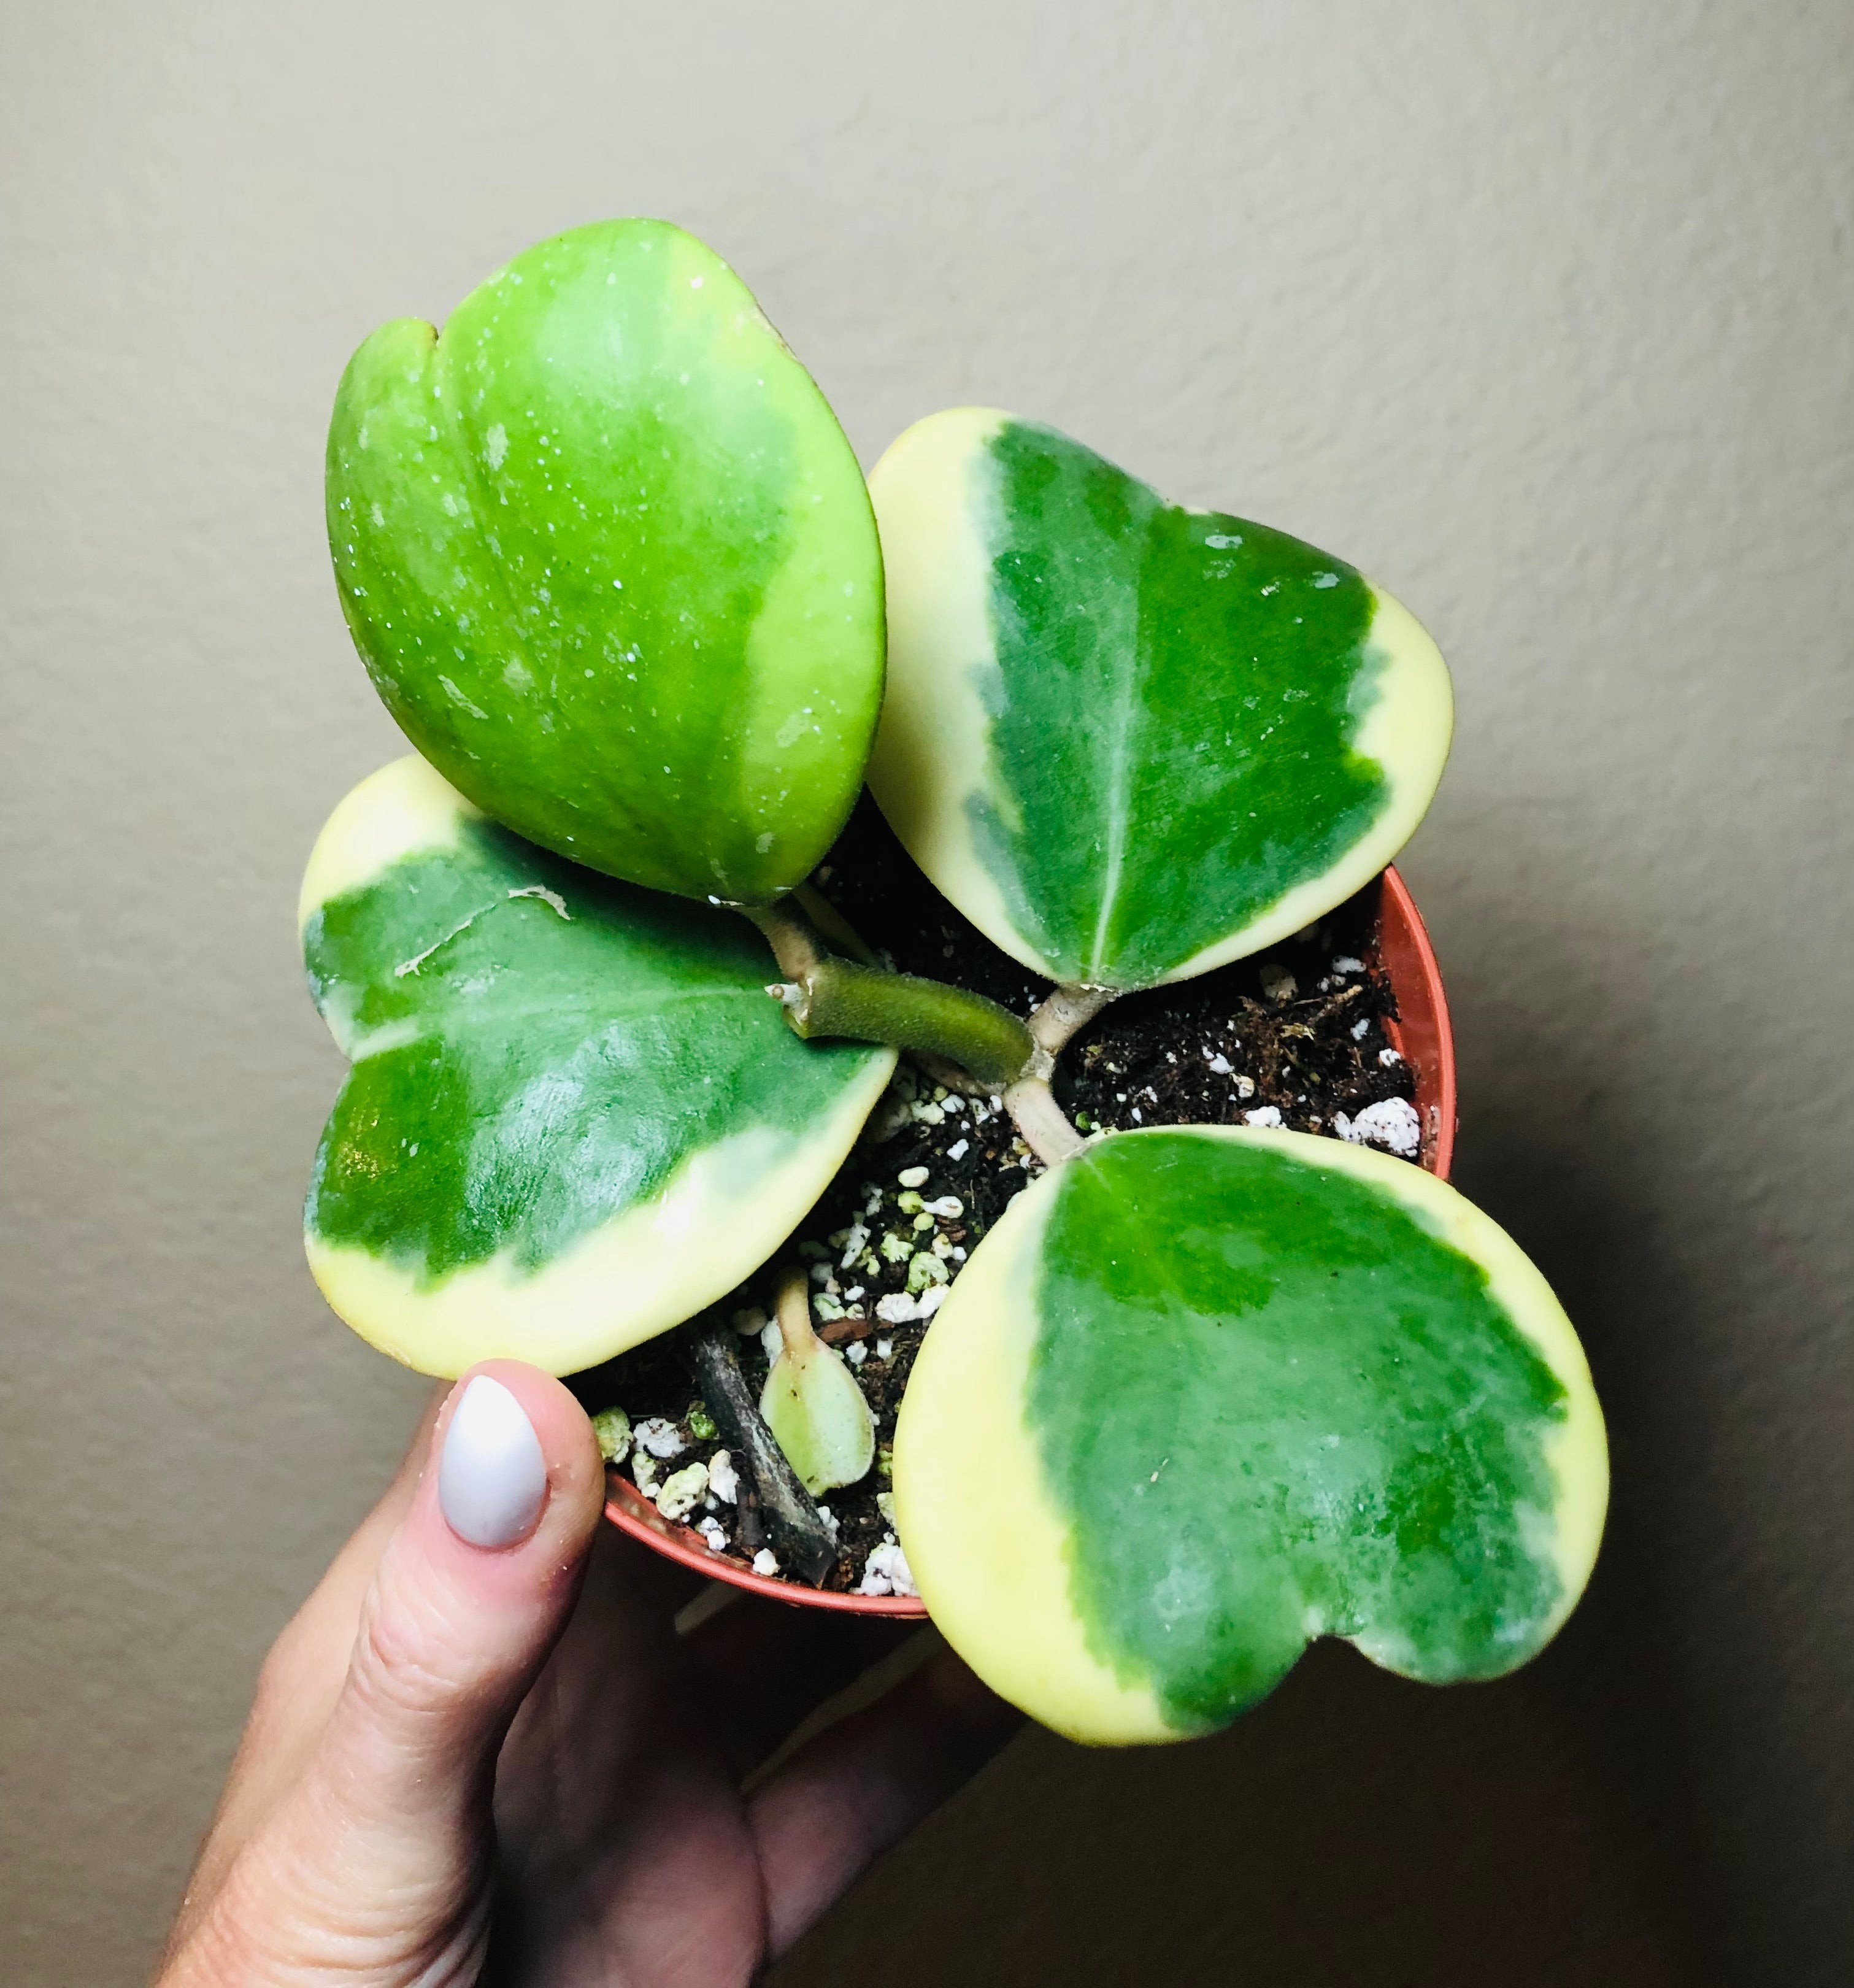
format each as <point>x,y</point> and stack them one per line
<point>659,1437</point>
<point>897,1308</point>
<point>613,1428</point>
<point>679,1495</point>
<point>1277,982</point>
<point>1265,1114</point>
<point>1391,1124</point>
<point>885,1571</point>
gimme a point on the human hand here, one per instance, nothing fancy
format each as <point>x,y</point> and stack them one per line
<point>481,1751</point>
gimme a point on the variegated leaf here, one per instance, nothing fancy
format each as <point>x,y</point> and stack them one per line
<point>1132,742</point>
<point>574,1118</point>
<point>1204,1395</point>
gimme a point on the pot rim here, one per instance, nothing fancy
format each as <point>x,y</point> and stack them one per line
<point>1421,1033</point>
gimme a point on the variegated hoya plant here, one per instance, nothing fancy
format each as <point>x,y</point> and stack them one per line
<point>611,564</point>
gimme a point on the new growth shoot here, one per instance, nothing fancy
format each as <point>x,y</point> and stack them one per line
<point>811,1401</point>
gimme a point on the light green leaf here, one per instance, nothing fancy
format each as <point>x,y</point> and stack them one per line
<point>818,1418</point>
<point>810,1403</point>
<point>574,1118</point>
<point>1203,1394</point>
<point>1131,741</point>
<point>610,562</point>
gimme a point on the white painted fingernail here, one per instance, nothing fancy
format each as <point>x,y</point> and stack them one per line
<point>491,1478</point>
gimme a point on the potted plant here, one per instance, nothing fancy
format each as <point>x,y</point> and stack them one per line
<point>1080,1276</point>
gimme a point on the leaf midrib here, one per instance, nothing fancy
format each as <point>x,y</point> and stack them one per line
<point>1120,761</point>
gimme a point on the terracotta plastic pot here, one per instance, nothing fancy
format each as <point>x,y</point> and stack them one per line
<point>1420,1033</point>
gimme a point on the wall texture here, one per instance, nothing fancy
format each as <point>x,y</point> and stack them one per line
<point>1542,314</point>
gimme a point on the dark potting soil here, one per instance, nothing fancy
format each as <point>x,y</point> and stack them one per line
<point>1296,1032</point>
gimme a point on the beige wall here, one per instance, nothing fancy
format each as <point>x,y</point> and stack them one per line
<point>1541,312</point>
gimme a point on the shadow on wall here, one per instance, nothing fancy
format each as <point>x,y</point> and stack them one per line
<point>1637,1154</point>
<point>1356,1827</point>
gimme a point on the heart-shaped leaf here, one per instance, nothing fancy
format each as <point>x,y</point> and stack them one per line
<point>610,562</point>
<point>574,1118</point>
<point>1204,1394</point>
<point>1131,742</point>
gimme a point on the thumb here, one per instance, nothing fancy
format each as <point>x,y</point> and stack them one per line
<point>377,1867</point>
<point>471,1595</point>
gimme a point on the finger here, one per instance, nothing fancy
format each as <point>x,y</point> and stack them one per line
<point>771,1666</point>
<point>570,1768</point>
<point>301,1679</point>
<point>302,1676</point>
<point>471,1591</point>
<point>312,1654</point>
<point>622,1853</point>
<point>376,1862</point>
<point>861,1785</point>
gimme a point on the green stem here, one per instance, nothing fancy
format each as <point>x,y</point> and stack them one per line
<point>959,1034</point>
<point>824,994</point>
